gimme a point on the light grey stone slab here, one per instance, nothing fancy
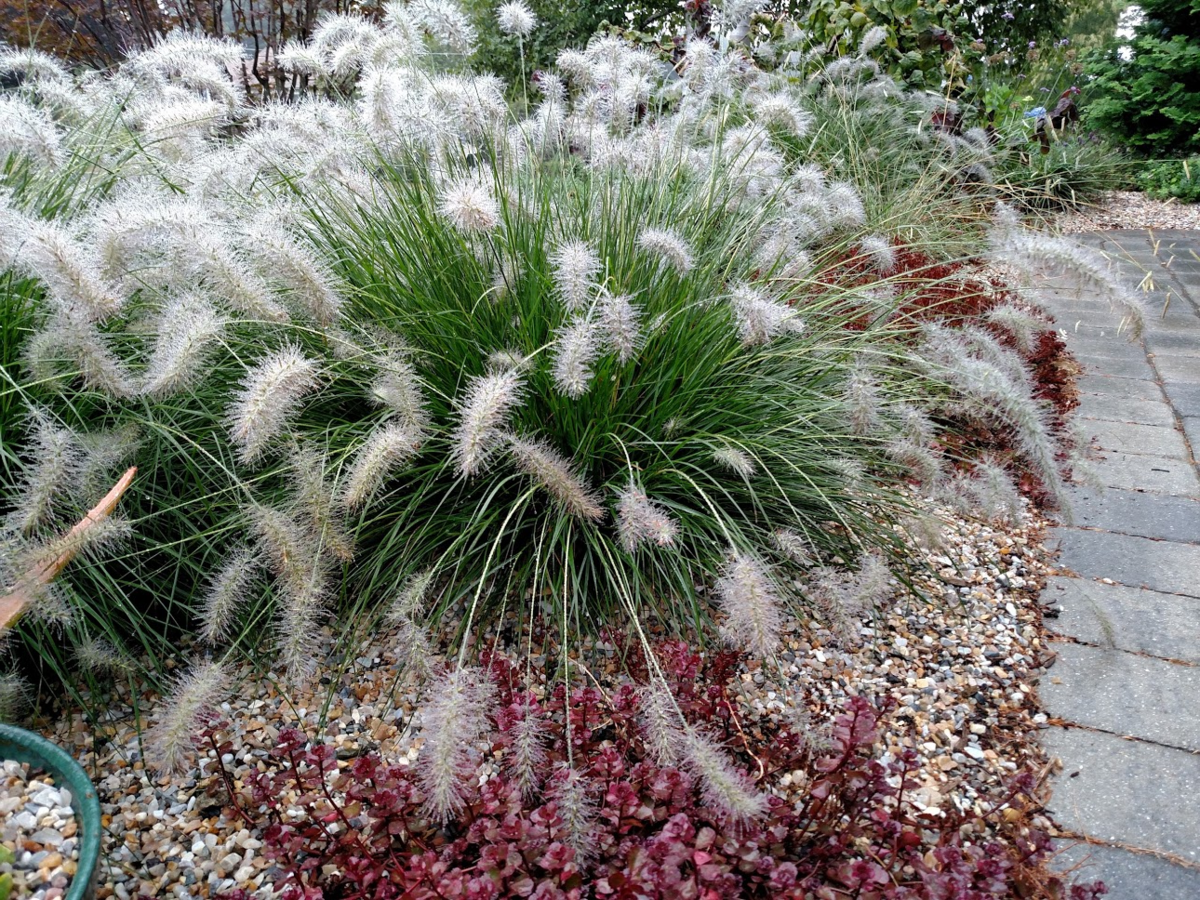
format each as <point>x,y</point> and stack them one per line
<point>1125,618</point>
<point>1135,561</point>
<point>1184,397</point>
<point>1185,344</point>
<point>1126,791</point>
<point>1087,348</point>
<point>1139,388</point>
<point>1125,693</point>
<point>1185,369</point>
<point>1124,409</point>
<point>1191,427</point>
<point>1127,875</point>
<point>1137,472</point>
<point>1124,368</point>
<point>1134,512</point>
<point>1127,437</point>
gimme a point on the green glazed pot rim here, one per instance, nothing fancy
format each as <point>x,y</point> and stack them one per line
<point>25,746</point>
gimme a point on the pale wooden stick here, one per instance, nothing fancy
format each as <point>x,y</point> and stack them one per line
<point>13,604</point>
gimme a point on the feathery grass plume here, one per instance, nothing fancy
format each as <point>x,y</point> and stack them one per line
<point>298,626</point>
<point>28,131</point>
<point>990,392</point>
<point>470,206</point>
<point>526,739</point>
<point>844,206</point>
<point>725,789</point>
<point>750,600</point>
<point>103,456</point>
<point>69,346</point>
<point>641,520</point>
<point>290,549</point>
<point>100,657</point>
<point>761,319</point>
<point>228,277</point>
<point>454,719</point>
<point>1021,324</point>
<point>660,723</point>
<point>879,252</point>
<point>225,595</point>
<point>69,271</point>
<point>269,396</point>
<point>312,285</point>
<point>783,112</point>
<point>871,39</point>
<point>188,330</point>
<point>872,584</point>
<point>506,361</point>
<point>482,415</point>
<point>862,399</point>
<point>315,503</point>
<point>793,546</point>
<point>575,352</point>
<point>398,387</point>
<point>1025,251</point>
<point>14,696</point>
<point>923,463</point>
<point>171,743</point>
<point>574,266</point>
<point>619,321</point>
<point>411,599</point>
<point>735,460</point>
<point>557,475</point>
<point>988,490</point>
<point>386,451</point>
<point>445,22</point>
<point>100,537</point>
<point>669,247</point>
<point>516,19</point>
<point>574,795</point>
<point>55,455</point>
<point>927,529</point>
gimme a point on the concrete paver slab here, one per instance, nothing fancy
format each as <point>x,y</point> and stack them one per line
<point>1123,409</point>
<point>1125,693</point>
<point>1127,437</point>
<point>1160,474</point>
<point>1125,618</point>
<point>1132,512</point>
<point>1127,875</point>
<point>1136,561</point>
<point>1126,791</point>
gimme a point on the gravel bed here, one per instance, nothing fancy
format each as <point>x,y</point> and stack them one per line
<point>38,849</point>
<point>961,667</point>
<point>1128,209</point>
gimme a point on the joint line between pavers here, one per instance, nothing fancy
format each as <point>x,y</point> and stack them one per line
<point>1093,841</point>
<point>1131,738</point>
<point>1057,637</point>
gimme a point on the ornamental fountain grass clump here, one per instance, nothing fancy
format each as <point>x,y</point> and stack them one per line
<point>389,352</point>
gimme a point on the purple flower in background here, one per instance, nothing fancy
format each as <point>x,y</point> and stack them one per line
<point>1038,112</point>
<point>1032,44</point>
<point>1065,42</point>
<point>1008,17</point>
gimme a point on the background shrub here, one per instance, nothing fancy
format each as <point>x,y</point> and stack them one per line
<point>1177,179</point>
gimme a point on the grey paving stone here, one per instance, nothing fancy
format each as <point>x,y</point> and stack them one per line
<point>1125,618</point>
<point>1126,559</point>
<point>1123,368</point>
<point>1138,513</point>
<point>1127,875</point>
<point>1125,693</point>
<point>1128,437</point>
<point>1179,344</point>
<point>1184,397</point>
<point>1093,351</point>
<point>1107,335</point>
<point>1124,409</point>
<point>1139,388</point>
<point>1185,369</point>
<point>1127,792</point>
<point>1136,472</point>
<point>1191,427</point>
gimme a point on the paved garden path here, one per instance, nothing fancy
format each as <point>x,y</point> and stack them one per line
<point>1126,685</point>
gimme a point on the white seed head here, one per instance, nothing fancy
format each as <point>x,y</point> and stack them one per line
<point>735,460</point>
<point>188,330</point>
<point>724,788</point>
<point>269,396</point>
<point>470,206</point>
<point>226,593</point>
<point>641,520</point>
<point>761,319</point>
<point>750,601</point>
<point>483,414</point>
<point>558,476</point>
<point>527,751</point>
<point>575,267</point>
<point>172,743</point>
<point>385,452</point>
<point>516,18</point>
<point>669,246</point>
<point>453,720</point>
<point>661,724</point>
<point>575,352</point>
<point>575,797</point>
<point>879,253</point>
<point>620,322</point>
